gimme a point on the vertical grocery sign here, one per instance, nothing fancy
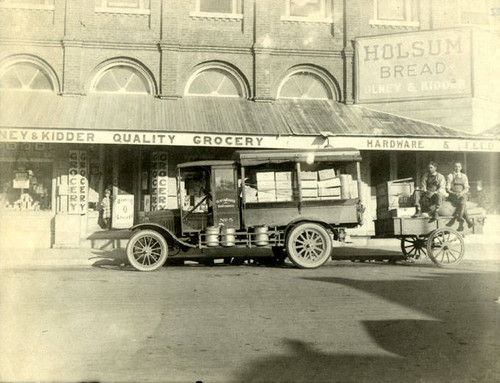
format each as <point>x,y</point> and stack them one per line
<point>77,182</point>
<point>159,180</point>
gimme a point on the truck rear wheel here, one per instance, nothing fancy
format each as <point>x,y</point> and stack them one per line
<point>308,245</point>
<point>147,250</point>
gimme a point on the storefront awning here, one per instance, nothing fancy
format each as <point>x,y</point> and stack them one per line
<point>138,119</point>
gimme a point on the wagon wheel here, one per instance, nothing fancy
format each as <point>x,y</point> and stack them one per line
<point>308,245</point>
<point>414,246</point>
<point>445,247</point>
<point>147,250</point>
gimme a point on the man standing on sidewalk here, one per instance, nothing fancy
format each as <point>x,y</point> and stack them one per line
<point>457,186</point>
<point>431,193</point>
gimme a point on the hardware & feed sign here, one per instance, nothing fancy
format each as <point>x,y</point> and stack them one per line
<point>414,65</point>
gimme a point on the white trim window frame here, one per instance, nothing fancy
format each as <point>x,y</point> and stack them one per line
<point>234,14</point>
<point>47,5</point>
<point>409,19</point>
<point>141,7</point>
<point>326,13</point>
<point>492,14</point>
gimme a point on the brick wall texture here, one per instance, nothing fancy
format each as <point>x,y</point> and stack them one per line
<point>172,41</point>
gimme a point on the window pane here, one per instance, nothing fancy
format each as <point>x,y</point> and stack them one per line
<point>215,82</point>
<point>305,86</point>
<point>122,79</point>
<point>476,12</point>
<point>306,8</point>
<point>391,9</point>
<point>25,76</point>
<point>219,6</point>
<point>34,2</point>
<point>41,81</point>
<point>136,4</point>
<point>10,81</point>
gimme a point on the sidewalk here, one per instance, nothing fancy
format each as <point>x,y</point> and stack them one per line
<point>476,248</point>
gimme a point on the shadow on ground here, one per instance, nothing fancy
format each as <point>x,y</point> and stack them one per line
<point>460,345</point>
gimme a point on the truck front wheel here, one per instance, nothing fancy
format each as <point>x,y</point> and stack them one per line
<point>147,250</point>
<point>308,245</point>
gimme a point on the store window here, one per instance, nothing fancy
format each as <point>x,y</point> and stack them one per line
<point>25,177</point>
<point>395,12</point>
<point>314,10</point>
<point>480,12</point>
<point>25,76</point>
<point>305,85</point>
<point>123,6</point>
<point>122,79</point>
<point>215,82</point>
<point>27,4</point>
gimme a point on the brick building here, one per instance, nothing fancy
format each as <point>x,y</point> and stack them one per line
<point>109,93</point>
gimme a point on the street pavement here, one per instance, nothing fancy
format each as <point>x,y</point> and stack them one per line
<point>344,322</point>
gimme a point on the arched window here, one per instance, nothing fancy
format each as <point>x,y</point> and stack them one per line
<point>215,82</point>
<point>25,76</point>
<point>122,79</point>
<point>305,85</point>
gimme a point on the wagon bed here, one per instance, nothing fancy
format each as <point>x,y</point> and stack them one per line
<point>440,239</point>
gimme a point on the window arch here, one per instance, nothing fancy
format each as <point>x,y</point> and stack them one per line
<point>25,73</point>
<point>307,84</point>
<point>122,77</point>
<point>216,81</point>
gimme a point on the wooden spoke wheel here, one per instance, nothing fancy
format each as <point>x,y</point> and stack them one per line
<point>147,250</point>
<point>414,246</point>
<point>445,247</point>
<point>308,245</point>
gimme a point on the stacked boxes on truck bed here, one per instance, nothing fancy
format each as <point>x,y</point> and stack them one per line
<point>395,198</point>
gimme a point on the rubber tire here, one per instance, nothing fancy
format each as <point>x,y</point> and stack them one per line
<point>320,233</point>
<point>439,260</point>
<point>159,239</point>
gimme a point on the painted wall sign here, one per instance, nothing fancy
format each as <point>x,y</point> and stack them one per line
<point>414,65</point>
<point>123,211</point>
<point>159,180</point>
<point>77,182</point>
<point>279,142</point>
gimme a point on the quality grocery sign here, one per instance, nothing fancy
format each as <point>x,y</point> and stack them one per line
<point>14,135</point>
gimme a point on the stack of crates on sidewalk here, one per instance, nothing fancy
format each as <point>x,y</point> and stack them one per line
<point>395,198</point>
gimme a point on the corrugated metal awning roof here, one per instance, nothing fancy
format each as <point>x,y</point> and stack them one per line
<point>20,109</point>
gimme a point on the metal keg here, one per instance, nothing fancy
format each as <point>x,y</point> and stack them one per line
<point>212,236</point>
<point>261,237</point>
<point>228,236</point>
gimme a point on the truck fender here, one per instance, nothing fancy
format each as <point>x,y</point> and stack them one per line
<point>166,233</point>
<point>292,224</point>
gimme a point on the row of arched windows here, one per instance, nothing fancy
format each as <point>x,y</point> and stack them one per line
<point>209,80</point>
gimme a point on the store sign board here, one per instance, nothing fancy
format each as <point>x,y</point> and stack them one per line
<point>21,180</point>
<point>159,181</point>
<point>259,142</point>
<point>77,182</point>
<point>123,211</point>
<point>414,65</point>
